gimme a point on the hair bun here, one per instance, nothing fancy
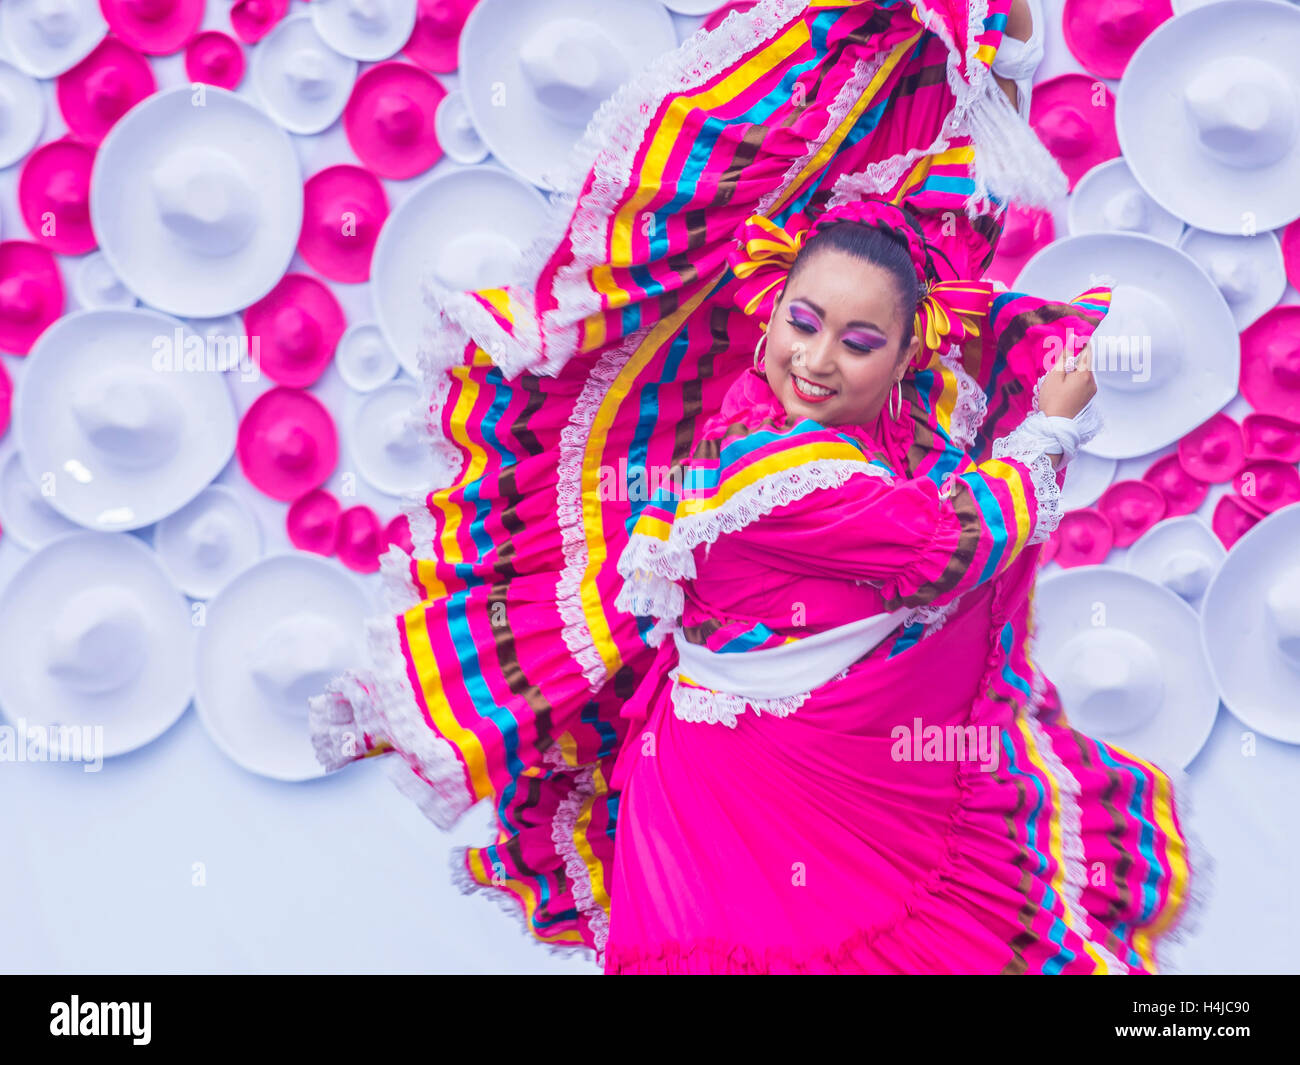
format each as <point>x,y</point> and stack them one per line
<point>897,222</point>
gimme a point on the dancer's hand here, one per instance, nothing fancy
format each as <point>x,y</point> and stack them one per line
<point>1067,387</point>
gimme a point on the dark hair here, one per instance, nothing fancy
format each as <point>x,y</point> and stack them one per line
<point>872,244</point>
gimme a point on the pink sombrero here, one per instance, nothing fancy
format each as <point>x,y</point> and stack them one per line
<point>1271,437</point>
<point>297,326</point>
<point>1214,451</point>
<point>436,38</point>
<point>1183,493</point>
<point>360,539</point>
<point>1077,128</point>
<point>1268,485</point>
<point>214,58</point>
<point>398,531</point>
<point>344,208</point>
<point>54,196</point>
<point>254,19</point>
<point>390,118</point>
<point>1084,538</point>
<point>313,522</point>
<point>287,443</point>
<point>1104,34</point>
<point>1270,363</point>
<point>1131,507</point>
<point>31,294</point>
<point>155,27</point>
<point>1025,230</point>
<point>1291,252</point>
<point>1232,519</point>
<point>100,89</point>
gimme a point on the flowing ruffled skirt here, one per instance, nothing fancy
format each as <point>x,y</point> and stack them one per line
<point>863,834</point>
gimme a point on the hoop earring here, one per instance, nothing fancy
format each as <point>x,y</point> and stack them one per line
<point>896,390</point>
<point>757,348</point>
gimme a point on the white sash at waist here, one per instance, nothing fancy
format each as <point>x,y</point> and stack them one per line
<point>792,668</point>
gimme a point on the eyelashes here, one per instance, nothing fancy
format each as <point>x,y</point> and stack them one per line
<point>808,327</point>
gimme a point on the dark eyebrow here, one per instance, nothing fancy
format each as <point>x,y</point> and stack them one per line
<point>822,314</point>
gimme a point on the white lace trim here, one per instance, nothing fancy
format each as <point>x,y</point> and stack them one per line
<point>651,564</point>
<point>932,617</point>
<point>569,509</point>
<point>1010,161</point>
<point>564,826</point>
<point>723,708</point>
<point>1023,445</point>
<point>971,406</point>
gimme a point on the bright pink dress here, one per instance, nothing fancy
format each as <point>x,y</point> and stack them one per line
<point>504,672</point>
<point>808,840</point>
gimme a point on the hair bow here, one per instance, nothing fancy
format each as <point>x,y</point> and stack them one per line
<point>950,312</point>
<point>762,260</point>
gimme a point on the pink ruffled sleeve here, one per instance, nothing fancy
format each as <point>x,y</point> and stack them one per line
<point>920,542</point>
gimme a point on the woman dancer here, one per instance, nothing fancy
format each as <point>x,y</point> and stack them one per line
<point>507,671</point>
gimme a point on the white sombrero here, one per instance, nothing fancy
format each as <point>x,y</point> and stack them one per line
<point>302,82</point>
<point>457,134</point>
<point>1138,681</point>
<point>22,114</point>
<point>468,228</point>
<point>273,637</point>
<point>1086,477</point>
<point>96,285</point>
<point>1251,627</point>
<point>1108,199</point>
<point>1249,271</point>
<point>25,514</point>
<point>1167,355</point>
<point>1208,116</point>
<point>208,541</point>
<point>123,433</point>
<point>1183,554</point>
<point>364,29</point>
<point>92,633</point>
<point>534,74</point>
<point>197,208</point>
<point>389,450</point>
<point>363,358</point>
<point>47,37</point>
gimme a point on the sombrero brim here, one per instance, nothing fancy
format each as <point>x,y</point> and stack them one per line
<point>147,705</point>
<point>373,462</point>
<point>1264,250</point>
<point>25,118</point>
<point>1157,136</point>
<point>1139,422</point>
<point>453,204</point>
<point>1087,202</point>
<point>33,55</point>
<point>188,574</point>
<point>242,722</point>
<point>275,93</point>
<point>524,136</point>
<point>1065,606</point>
<point>1155,546</point>
<point>333,22</point>
<point>140,249</point>
<point>1259,687</point>
<point>88,487</point>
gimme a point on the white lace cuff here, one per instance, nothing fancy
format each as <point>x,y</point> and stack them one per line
<point>1033,442</point>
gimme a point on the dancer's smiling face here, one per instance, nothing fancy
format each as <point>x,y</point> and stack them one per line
<point>839,324</point>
